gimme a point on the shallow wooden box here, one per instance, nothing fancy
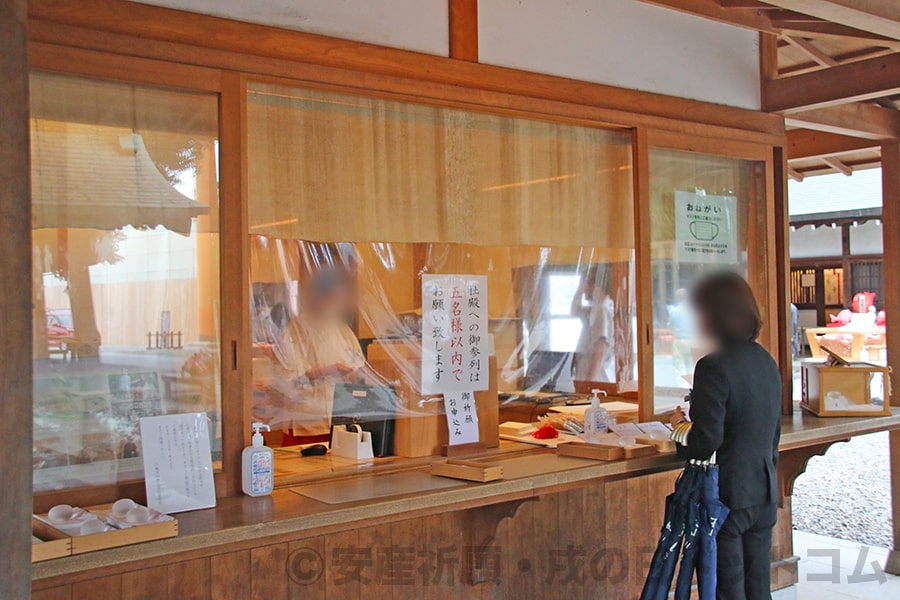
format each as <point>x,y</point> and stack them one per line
<point>116,538</point>
<point>56,544</point>
<point>853,381</point>
<point>467,470</point>
<point>425,432</point>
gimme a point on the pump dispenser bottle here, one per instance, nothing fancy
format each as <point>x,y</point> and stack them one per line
<point>258,463</point>
<point>596,418</point>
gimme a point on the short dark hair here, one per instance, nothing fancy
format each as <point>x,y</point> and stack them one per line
<point>727,306</point>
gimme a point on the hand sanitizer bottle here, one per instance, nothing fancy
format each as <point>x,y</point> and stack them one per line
<point>258,464</point>
<point>596,419</point>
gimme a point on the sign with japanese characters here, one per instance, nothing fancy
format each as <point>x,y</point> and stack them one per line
<point>178,469</point>
<point>454,333</point>
<point>705,228</point>
<point>462,418</point>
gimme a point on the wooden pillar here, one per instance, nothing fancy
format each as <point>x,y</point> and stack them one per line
<point>890,172</point>
<point>782,281</point>
<point>15,305</point>
<point>464,30</point>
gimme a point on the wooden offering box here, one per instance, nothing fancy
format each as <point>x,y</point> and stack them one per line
<point>845,390</point>
<point>54,544</point>
<point>111,539</point>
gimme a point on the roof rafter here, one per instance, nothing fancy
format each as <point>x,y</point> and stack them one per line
<point>881,17</point>
<point>862,80</point>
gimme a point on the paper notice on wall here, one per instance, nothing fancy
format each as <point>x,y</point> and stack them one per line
<point>178,469</point>
<point>462,417</point>
<point>454,333</point>
<point>706,229</point>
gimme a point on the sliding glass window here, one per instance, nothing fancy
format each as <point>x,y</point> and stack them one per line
<point>126,271</point>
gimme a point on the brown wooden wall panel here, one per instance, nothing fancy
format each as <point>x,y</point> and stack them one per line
<point>343,572</point>
<point>102,587</point>
<point>306,569</point>
<point>146,584</point>
<point>189,580</point>
<point>58,593</point>
<point>268,575</point>
<point>229,575</point>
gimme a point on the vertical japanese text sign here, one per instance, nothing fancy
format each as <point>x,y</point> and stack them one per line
<point>454,333</point>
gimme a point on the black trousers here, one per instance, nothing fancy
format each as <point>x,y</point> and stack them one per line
<point>745,546</point>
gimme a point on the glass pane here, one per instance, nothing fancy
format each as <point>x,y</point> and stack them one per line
<point>703,211</point>
<point>126,272</point>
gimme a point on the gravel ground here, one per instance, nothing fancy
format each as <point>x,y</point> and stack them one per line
<point>846,493</point>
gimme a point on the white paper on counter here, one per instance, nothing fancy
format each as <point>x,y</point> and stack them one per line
<point>178,469</point>
<point>462,417</point>
<point>625,429</point>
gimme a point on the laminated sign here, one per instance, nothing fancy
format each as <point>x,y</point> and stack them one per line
<point>705,229</point>
<point>454,333</point>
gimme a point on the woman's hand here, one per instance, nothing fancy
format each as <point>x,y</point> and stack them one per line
<point>677,417</point>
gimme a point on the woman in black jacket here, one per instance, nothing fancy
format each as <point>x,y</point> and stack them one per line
<point>736,418</point>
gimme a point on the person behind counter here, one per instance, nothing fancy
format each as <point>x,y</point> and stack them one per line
<point>332,353</point>
<point>736,419</point>
<point>595,358</point>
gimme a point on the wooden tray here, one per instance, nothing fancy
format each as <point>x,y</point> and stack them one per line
<point>662,446</point>
<point>604,451</point>
<point>468,470</point>
<point>56,544</point>
<point>592,451</point>
<point>81,544</point>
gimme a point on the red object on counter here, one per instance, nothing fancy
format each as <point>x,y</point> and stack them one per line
<point>545,432</point>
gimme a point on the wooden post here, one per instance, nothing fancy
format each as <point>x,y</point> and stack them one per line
<point>782,278</point>
<point>890,191</point>
<point>464,30</point>
<point>15,305</point>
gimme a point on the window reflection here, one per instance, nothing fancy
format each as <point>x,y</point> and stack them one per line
<point>125,285</point>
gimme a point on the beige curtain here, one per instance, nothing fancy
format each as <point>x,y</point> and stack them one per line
<point>334,167</point>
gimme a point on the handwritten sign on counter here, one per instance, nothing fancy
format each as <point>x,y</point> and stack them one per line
<point>178,469</point>
<point>462,417</point>
<point>454,333</point>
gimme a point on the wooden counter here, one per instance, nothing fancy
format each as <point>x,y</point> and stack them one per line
<point>551,515</point>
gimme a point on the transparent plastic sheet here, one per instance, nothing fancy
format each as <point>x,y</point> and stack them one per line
<point>327,315</point>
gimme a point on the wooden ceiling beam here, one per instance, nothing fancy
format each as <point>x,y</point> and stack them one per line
<point>842,58</point>
<point>837,165</point>
<point>713,9</point>
<point>795,174</point>
<point>881,17</point>
<point>808,143</point>
<point>862,80</point>
<point>856,120</point>
<point>753,4</point>
<point>810,50</point>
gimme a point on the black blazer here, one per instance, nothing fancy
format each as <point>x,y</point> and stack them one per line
<point>736,411</point>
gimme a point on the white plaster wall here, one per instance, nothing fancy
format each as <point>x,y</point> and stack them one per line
<point>807,243</point>
<point>625,43</point>
<point>419,25</point>
<point>867,238</point>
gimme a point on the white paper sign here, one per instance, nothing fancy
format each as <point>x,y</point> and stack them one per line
<point>178,469</point>
<point>462,418</point>
<point>454,333</point>
<point>706,229</point>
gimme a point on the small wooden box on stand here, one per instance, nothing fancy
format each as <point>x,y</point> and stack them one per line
<point>838,388</point>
